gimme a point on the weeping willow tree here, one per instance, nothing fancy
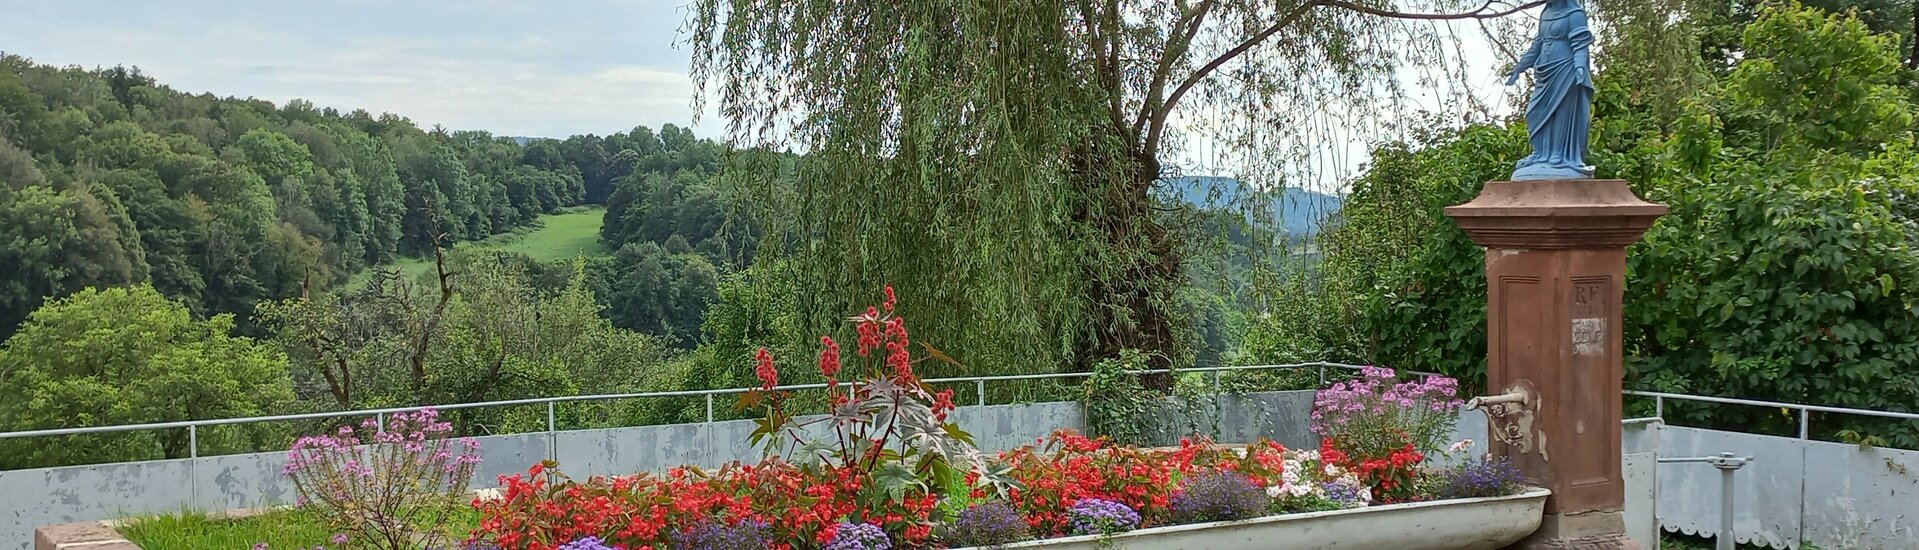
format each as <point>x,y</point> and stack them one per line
<point>995,160</point>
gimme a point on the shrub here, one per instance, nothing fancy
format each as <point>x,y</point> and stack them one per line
<point>1116,405</point>
<point>392,489</point>
<point>987,524</point>
<point>1382,428</point>
<point>1219,496</point>
<point>1376,413</point>
<point>1094,516</point>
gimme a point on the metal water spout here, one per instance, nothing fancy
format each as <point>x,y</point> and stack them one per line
<point>1510,414</point>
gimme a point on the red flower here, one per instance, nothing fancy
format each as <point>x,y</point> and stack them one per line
<point>829,357</point>
<point>891,300</point>
<point>869,329</point>
<point>769,377</point>
<point>942,403</point>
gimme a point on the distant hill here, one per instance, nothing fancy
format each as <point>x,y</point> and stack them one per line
<point>1298,210</point>
<point>523,140</point>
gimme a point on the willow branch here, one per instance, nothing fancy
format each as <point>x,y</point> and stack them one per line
<point>1485,11</point>
<point>1183,32</point>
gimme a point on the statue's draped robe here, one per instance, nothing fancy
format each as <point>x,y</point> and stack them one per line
<point>1559,117</point>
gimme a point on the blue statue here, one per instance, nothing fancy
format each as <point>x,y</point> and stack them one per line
<point>1559,116</point>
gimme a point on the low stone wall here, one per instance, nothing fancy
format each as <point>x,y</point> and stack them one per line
<point>87,535</point>
<point>57,496</point>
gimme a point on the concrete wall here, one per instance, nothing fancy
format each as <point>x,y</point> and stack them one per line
<point>1829,494</point>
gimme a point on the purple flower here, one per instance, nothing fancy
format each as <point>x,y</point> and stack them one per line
<point>1219,496</point>
<point>339,538</point>
<point>260,546</point>
<point>746,535</point>
<point>987,524</point>
<point>859,536</point>
<point>1347,492</point>
<point>1485,477</point>
<point>588,543</point>
<point>1093,516</point>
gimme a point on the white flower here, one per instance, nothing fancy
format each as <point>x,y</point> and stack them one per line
<point>1304,489</point>
<point>1462,445</point>
<point>1275,491</point>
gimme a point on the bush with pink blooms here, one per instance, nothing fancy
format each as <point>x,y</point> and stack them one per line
<point>395,488</point>
<point>1385,426</point>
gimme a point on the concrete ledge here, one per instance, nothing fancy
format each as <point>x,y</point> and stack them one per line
<point>86,535</point>
<point>1462,524</point>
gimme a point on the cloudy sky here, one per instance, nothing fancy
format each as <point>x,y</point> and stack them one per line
<point>543,69</point>
<point>549,69</point>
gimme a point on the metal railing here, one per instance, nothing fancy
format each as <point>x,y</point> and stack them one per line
<point>979,385</point>
<point>1805,411</point>
<point>1727,464</point>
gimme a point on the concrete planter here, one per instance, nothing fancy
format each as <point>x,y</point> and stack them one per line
<point>1464,524</point>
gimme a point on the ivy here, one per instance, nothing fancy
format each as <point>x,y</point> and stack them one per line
<point>1117,406</point>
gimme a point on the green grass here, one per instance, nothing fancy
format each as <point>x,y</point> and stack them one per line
<point>280,529</point>
<point>554,237</point>
<point>559,237</point>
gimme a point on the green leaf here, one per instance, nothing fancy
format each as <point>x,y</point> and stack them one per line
<point>894,479</point>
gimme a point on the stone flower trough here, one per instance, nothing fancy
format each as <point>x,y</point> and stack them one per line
<point>1461,524</point>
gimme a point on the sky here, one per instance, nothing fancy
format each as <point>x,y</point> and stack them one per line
<point>541,69</point>
<point>514,68</point>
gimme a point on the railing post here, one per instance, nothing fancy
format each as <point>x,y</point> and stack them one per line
<point>552,438</point>
<point>709,408</point>
<point>1215,382</point>
<point>1805,423</point>
<point>1659,406</point>
<point>379,425</point>
<point>193,441</point>
<point>979,386</point>
<point>1322,375</point>
<point>1726,537</point>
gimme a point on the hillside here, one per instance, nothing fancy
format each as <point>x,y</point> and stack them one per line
<point>552,237</point>
<point>1299,211</point>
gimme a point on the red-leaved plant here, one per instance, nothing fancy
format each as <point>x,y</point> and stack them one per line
<point>890,454</point>
<point>882,422</point>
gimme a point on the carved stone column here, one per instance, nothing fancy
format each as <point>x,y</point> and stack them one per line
<point>1555,277</point>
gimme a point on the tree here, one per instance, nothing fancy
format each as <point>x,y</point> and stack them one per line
<point>661,293</point>
<point>128,355</point>
<point>56,242</point>
<point>1782,273</point>
<point>998,159</point>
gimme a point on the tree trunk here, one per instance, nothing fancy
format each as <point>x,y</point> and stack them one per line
<point>1132,302</point>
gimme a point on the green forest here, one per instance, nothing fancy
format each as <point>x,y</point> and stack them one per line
<point>167,255</point>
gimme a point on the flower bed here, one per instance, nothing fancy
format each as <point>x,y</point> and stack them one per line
<point>883,469</point>
<point>892,473</point>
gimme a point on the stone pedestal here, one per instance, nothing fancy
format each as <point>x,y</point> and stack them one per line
<point>1555,276</point>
